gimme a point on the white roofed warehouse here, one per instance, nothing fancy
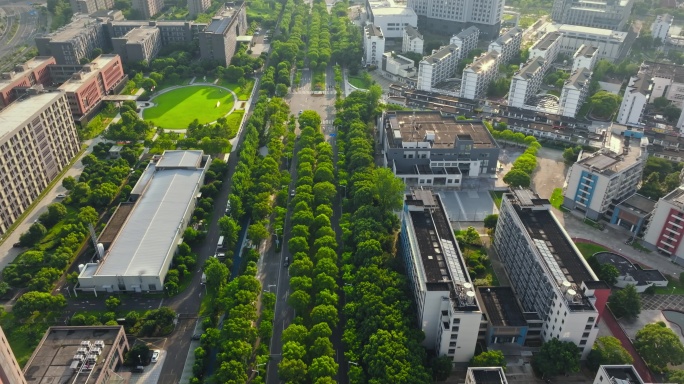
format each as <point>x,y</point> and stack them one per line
<point>142,236</point>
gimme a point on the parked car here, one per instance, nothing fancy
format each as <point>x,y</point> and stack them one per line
<point>155,355</point>
<point>287,262</point>
<point>139,369</point>
<point>197,336</point>
<point>61,196</point>
<point>16,245</point>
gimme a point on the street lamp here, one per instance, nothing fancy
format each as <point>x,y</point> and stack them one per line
<point>269,287</point>
<point>140,359</point>
<point>354,363</point>
<point>257,368</point>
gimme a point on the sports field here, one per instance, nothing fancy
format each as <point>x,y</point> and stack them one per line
<point>178,108</point>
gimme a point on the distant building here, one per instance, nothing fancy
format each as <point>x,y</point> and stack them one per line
<point>148,8</point>
<point>617,374</point>
<point>438,67</point>
<point>195,7</point>
<point>412,40</point>
<point>142,236</point>
<point>74,41</point>
<point>548,274</point>
<point>90,6</point>
<point>634,101</point>
<point>433,150</point>
<point>450,17</point>
<point>466,41</point>
<point>597,181</point>
<point>508,44</point>
<point>631,274</point>
<point>37,140</point>
<point>575,91</point>
<point>605,14</point>
<point>485,375</point>
<point>666,227</point>
<point>78,354</point>
<point>611,44</point>
<point>478,75</point>
<point>526,82</point>
<point>585,57</point>
<point>10,371</point>
<point>448,311</point>
<point>33,72</point>
<point>139,44</point>
<point>661,27</point>
<point>391,17</point>
<point>373,44</point>
<point>219,40</point>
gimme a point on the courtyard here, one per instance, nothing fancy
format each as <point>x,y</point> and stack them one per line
<point>176,108</point>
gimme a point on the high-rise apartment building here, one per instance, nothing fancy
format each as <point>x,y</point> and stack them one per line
<point>195,7</point>
<point>547,272</point>
<point>390,17</point>
<point>438,67</point>
<point>585,57</point>
<point>33,72</point>
<point>451,16</point>
<point>661,27</point>
<point>412,40</point>
<point>508,44</point>
<point>574,92</point>
<point>526,82</point>
<point>636,97</point>
<point>90,6</point>
<point>10,371</point>
<point>605,14</point>
<point>373,44</point>
<point>74,41</point>
<point>478,75</point>
<point>219,40</point>
<point>148,8</point>
<point>37,139</point>
<point>466,41</point>
<point>547,48</point>
<point>139,44</point>
<point>448,310</point>
<point>665,230</point>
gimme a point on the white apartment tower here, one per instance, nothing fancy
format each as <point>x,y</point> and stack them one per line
<point>454,15</point>
<point>666,227</point>
<point>661,27</point>
<point>439,66</point>
<point>635,98</point>
<point>585,57</point>
<point>508,44</point>
<point>466,40</point>
<point>412,40</point>
<point>478,75</point>
<point>547,47</point>
<point>526,82</point>
<point>373,44</point>
<point>575,91</point>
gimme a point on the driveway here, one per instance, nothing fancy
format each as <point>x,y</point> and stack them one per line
<point>550,172</point>
<point>153,371</point>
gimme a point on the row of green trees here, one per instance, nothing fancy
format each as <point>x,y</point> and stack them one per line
<point>319,49</point>
<point>314,271</point>
<point>520,174</point>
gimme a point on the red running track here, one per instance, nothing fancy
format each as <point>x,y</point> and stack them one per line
<point>617,331</point>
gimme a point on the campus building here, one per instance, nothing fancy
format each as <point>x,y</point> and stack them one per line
<point>666,227</point>
<point>139,44</point>
<point>574,92</point>
<point>170,32</point>
<point>617,374</point>
<point>610,44</point>
<point>547,48</point>
<point>447,307</point>
<point>434,150</point>
<point>506,323</point>
<point>466,41</point>
<point>633,213</point>
<point>438,67</point>
<point>37,140</point>
<point>634,100</point>
<point>453,16</point>
<point>604,14</point>
<point>661,27</point>
<point>148,8</point>
<point>585,57</point>
<point>399,68</point>
<point>373,44</point>
<point>508,44</point>
<point>485,375</point>
<point>412,40</point>
<point>79,354</point>
<point>219,40</point>
<point>547,272</point>
<point>90,6</point>
<point>526,82</point>
<point>195,7</point>
<point>74,41</point>
<point>391,17</point>
<point>142,236</point>
<point>10,371</point>
<point>478,75</point>
<point>631,274</point>
<point>599,180</point>
<point>33,72</point>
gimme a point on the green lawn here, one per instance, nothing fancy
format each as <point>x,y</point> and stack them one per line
<point>588,249</point>
<point>241,92</point>
<point>358,82</point>
<point>497,196</point>
<point>557,197</point>
<point>178,108</point>
<point>234,120</point>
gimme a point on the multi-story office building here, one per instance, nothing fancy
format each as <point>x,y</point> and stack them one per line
<point>455,15</point>
<point>37,139</point>
<point>605,14</point>
<point>195,7</point>
<point>148,8</point>
<point>78,354</point>
<point>636,96</point>
<point>478,75</point>
<point>74,41</point>
<point>617,374</point>
<point>664,231</point>
<point>10,371</point>
<point>611,44</point>
<point>508,44</point>
<point>466,41</point>
<point>433,150</point>
<point>661,27</point>
<point>574,92</point>
<point>87,87</point>
<point>485,375</point>
<point>439,66</point>
<point>547,48</point>
<point>139,44</point>
<point>90,6</point>
<point>448,311</point>
<point>169,31</point>
<point>391,17</point>
<point>585,57</point>
<point>33,72</point>
<point>219,40</point>
<point>373,44</point>
<point>526,82</point>
<point>599,180</point>
<point>412,40</point>
<point>547,272</point>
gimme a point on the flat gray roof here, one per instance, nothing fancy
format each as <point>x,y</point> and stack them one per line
<point>16,114</point>
<point>147,238</point>
<point>531,67</point>
<point>180,159</point>
<point>441,53</point>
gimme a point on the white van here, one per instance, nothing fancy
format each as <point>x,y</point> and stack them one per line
<point>219,245</point>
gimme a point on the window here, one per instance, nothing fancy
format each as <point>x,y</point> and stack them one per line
<point>451,351</point>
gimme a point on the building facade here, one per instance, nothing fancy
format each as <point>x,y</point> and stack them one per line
<point>547,272</point>
<point>585,57</point>
<point>412,40</point>
<point>90,6</point>
<point>219,40</point>
<point>391,18</point>
<point>37,140</point>
<point>634,100</point>
<point>574,92</point>
<point>547,48</point>
<point>434,150</point>
<point>661,27</point>
<point>373,44</point>
<point>611,44</point>
<point>438,67</point>
<point>508,44</point>
<point>33,72</point>
<point>148,8</point>
<point>74,41</point>
<point>466,41</point>
<point>400,66</point>
<point>603,14</point>
<point>139,44</point>
<point>485,375</point>
<point>666,227</point>
<point>453,16</point>
<point>598,181</point>
<point>10,371</point>
<point>526,82</point>
<point>478,75</point>
<point>448,311</point>
<point>195,7</point>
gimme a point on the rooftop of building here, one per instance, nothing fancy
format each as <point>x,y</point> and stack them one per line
<point>53,359</point>
<point>222,20</point>
<point>485,62</point>
<point>619,154</point>
<point>373,30</point>
<point>22,69</point>
<point>414,126</point>
<point>441,259</point>
<point>675,197</point>
<point>582,30</point>
<point>622,374</point>
<point>642,84</point>
<point>531,67</point>
<point>507,36</point>
<point>488,375</point>
<point>502,307</point>
<point>563,261</point>
<point>139,35</point>
<point>17,113</point>
<point>666,18</point>
<point>441,53</point>
<point>578,79</point>
<point>547,40</point>
<point>639,204</point>
<point>412,32</point>
<point>464,34</point>
<point>392,11</point>
<point>146,237</point>
<point>75,28</point>
<point>586,51</point>
<point>89,71</point>
<point>642,276</point>
<point>663,70</point>
<point>401,60</point>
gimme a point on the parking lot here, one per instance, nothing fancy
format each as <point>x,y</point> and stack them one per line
<point>153,370</point>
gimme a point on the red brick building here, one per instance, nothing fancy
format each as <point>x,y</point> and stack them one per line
<point>33,72</point>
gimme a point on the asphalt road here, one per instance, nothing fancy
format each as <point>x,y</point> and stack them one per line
<point>29,21</point>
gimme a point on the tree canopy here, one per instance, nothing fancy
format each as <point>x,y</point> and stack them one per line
<point>659,346</point>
